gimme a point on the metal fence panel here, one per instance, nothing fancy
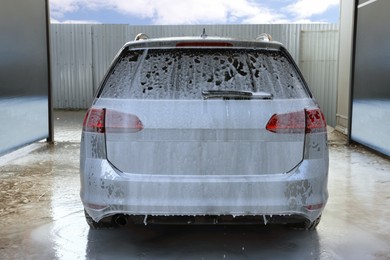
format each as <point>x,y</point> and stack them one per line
<point>72,79</point>
<point>106,41</point>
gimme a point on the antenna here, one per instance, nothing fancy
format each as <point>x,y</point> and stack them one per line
<point>204,35</point>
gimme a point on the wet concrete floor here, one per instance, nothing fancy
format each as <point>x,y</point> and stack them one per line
<point>42,216</point>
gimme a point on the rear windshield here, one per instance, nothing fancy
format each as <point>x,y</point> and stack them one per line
<point>182,73</point>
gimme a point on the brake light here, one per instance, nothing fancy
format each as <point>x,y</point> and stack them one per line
<point>94,120</point>
<point>307,121</point>
<point>119,122</point>
<point>204,44</point>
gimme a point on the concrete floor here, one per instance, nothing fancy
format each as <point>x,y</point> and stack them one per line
<point>42,216</point>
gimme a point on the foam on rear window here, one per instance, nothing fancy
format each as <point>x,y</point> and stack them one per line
<point>184,73</point>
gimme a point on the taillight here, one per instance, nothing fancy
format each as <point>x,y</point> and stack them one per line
<point>315,121</point>
<point>307,121</point>
<point>94,120</point>
<point>315,207</point>
<point>287,123</point>
<point>103,120</point>
<point>119,122</point>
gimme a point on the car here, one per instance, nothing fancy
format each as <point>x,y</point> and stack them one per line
<point>204,130</point>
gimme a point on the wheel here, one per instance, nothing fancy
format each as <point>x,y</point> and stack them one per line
<point>98,225</point>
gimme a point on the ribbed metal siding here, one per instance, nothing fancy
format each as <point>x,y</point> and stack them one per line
<point>71,51</point>
<point>81,55</point>
<point>106,42</point>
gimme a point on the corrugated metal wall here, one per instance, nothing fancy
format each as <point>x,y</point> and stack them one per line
<point>106,41</point>
<point>82,53</point>
<point>71,63</point>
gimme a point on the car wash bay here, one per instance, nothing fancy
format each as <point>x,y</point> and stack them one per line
<point>42,216</point>
<point>40,209</point>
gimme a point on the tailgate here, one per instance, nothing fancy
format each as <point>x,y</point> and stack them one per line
<point>201,137</point>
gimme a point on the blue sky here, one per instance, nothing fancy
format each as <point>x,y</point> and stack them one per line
<point>150,12</point>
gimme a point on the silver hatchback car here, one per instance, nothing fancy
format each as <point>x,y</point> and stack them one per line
<point>204,130</point>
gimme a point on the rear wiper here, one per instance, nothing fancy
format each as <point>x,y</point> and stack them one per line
<point>235,94</point>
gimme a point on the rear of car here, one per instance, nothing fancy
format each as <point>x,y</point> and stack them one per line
<point>204,130</point>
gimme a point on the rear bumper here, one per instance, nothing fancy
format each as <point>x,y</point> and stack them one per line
<point>106,191</point>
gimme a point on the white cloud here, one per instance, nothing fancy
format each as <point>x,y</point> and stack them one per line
<point>64,6</point>
<point>213,11</point>
<point>198,11</point>
<point>53,20</point>
<point>303,9</point>
<point>175,12</point>
<point>189,12</point>
<point>252,13</point>
<point>140,8</point>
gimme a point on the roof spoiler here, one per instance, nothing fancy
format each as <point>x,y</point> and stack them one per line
<point>263,37</point>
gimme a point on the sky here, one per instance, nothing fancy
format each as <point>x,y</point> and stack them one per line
<point>167,12</point>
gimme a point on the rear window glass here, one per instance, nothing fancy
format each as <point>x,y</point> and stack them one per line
<point>183,73</point>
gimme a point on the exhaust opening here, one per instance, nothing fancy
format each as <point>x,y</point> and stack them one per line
<point>120,220</point>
